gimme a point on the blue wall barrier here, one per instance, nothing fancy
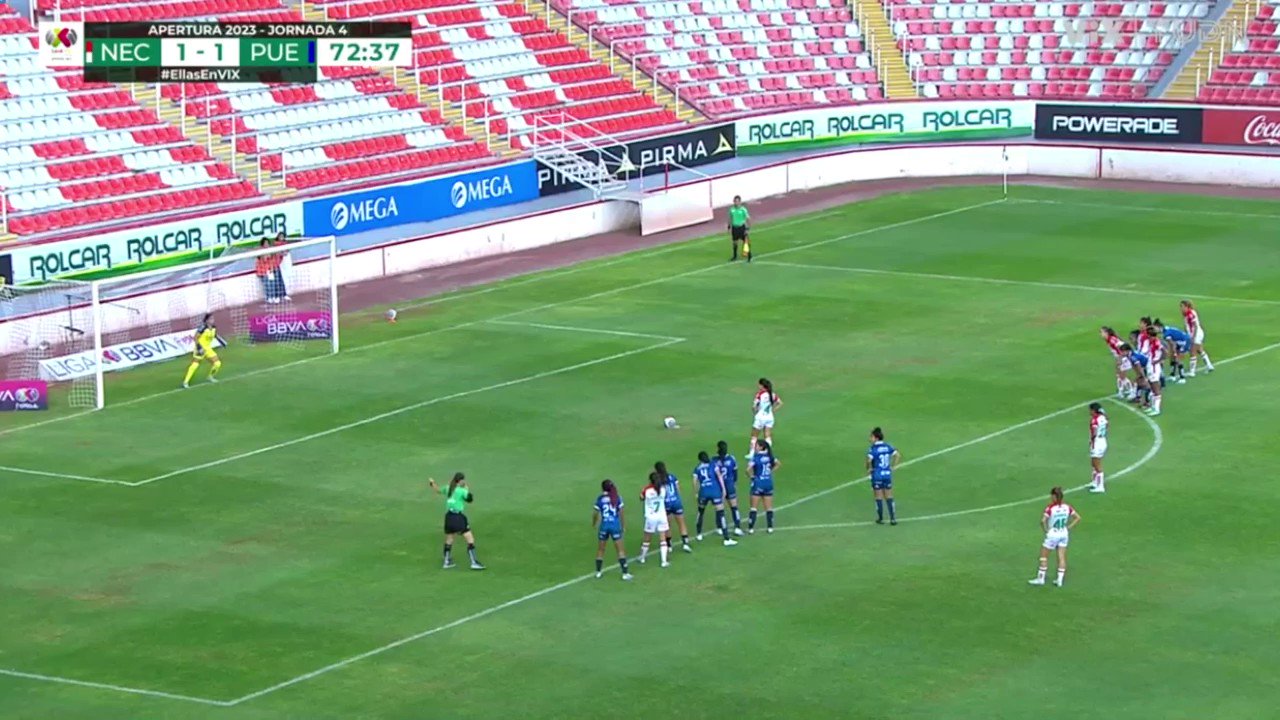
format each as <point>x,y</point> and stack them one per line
<point>430,199</point>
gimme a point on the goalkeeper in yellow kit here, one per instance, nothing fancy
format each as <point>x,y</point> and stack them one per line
<point>206,336</point>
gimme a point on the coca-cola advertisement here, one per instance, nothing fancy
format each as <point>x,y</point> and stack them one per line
<point>303,325</point>
<point>1242,127</point>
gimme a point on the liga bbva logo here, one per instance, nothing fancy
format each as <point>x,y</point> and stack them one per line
<point>61,44</point>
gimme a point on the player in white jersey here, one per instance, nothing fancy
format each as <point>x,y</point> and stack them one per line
<point>654,496</point>
<point>1196,331</point>
<point>1057,521</point>
<point>1097,445</point>
<point>765,405</point>
<point>1155,368</point>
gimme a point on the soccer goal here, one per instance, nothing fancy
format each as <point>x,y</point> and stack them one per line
<point>272,306</point>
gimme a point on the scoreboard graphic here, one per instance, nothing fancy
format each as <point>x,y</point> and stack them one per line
<point>181,52</point>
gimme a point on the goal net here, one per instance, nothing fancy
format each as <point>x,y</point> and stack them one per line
<point>127,337</point>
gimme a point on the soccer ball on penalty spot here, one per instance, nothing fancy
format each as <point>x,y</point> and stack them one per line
<point>391,315</point>
<point>669,423</point>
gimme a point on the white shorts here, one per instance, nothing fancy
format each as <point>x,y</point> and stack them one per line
<point>1154,371</point>
<point>656,525</point>
<point>762,421</point>
<point>1054,541</point>
<point>1098,448</point>
<point>1198,338</point>
<point>1125,364</point>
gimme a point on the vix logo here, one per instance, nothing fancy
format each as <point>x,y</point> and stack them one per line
<point>1172,33</point>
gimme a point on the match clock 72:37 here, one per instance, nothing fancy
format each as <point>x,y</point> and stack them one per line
<point>365,52</point>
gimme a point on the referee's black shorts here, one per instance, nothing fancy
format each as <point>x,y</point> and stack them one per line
<point>456,523</point>
<point>739,232</point>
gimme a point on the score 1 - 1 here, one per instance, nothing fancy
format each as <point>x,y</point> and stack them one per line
<point>200,52</point>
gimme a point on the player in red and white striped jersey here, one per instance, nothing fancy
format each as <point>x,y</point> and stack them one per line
<point>1124,387</point>
<point>1196,331</point>
<point>1097,445</point>
<point>1057,521</point>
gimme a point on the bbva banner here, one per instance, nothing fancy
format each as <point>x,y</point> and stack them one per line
<point>123,356</point>
<point>885,123</point>
<point>422,201</point>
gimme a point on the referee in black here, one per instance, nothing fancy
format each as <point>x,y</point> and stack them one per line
<point>739,228</point>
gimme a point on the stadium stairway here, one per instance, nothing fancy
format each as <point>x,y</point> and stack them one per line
<point>1196,71</point>
<point>888,58</point>
<point>218,146</point>
<point>620,68</point>
<point>473,127</point>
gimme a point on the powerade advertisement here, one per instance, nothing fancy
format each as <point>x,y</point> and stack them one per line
<point>1119,123</point>
<point>423,201</point>
<point>19,395</point>
<point>701,146</point>
<point>310,325</point>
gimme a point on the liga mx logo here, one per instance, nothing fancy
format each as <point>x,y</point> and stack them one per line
<point>60,38</point>
<point>60,44</point>
<point>27,395</point>
<point>339,215</point>
<point>458,195</point>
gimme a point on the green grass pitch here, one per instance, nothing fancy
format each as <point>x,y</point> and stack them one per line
<point>273,552</point>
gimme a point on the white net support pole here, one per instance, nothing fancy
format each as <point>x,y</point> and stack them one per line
<point>99,386</point>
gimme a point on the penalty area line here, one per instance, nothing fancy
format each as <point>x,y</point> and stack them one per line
<point>62,476</point>
<point>107,686</point>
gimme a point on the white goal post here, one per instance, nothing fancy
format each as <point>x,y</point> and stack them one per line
<point>270,305</point>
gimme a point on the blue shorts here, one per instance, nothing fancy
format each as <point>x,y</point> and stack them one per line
<point>881,483</point>
<point>609,532</point>
<point>762,489</point>
<point>704,500</point>
<point>1182,346</point>
<point>675,507</point>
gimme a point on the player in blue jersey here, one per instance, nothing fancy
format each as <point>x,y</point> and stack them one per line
<point>882,460</point>
<point>763,464</point>
<point>675,506</point>
<point>1147,378</point>
<point>608,516</point>
<point>728,467</point>
<point>711,492</point>
<point>1180,345</point>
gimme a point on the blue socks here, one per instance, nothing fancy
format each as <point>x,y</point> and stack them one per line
<point>879,510</point>
<point>599,564</point>
<point>701,511</point>
<point>623,562</point>
<point>893,516</point>
<point>751,520</point>
<point>768,518</point>
<point>737,518</point>
<point>720,524</point>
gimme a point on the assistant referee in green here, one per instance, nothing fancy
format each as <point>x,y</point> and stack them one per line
<point>739,228</point>
<point>455,521</point>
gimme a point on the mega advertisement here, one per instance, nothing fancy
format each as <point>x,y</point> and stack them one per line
<point>308,325</point>
<point>1241,127</point>
<point>885,123</point>
<point>651,155</point>
<point>1116,123</point>
<point>120,357</point>
<point>19,395</point>
<point>423,201</point>
<point>172,243</point>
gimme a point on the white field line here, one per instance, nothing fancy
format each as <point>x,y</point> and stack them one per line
<point>64,476</point>
<point>116,688</point>
<point>1157,442</point>
<point>536,308</point>
<point>1147,208</point>
<point>585,330</point>
<point>581,578</point>
<point>1005,281</point>
<point>589,265</point>
<point>407,408</point>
